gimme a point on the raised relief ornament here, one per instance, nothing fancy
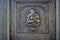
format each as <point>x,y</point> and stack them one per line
<point>33,21</point>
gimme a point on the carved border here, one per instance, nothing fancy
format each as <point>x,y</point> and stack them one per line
<point>30,6</point>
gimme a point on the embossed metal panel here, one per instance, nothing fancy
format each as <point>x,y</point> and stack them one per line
<point>24,14</point>
<point>33,19</point>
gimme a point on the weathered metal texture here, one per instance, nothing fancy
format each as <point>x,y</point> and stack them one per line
<point>3,20</point>
<point>19,12</point>
<point>57,19</point>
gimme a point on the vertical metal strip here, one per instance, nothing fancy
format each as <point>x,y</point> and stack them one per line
<point>8,19</point>
<point>57,21</point>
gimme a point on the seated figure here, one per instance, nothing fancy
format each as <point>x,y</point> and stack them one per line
<point>33,20</point>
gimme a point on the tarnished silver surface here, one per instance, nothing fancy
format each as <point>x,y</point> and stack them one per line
<point>33,20</point>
